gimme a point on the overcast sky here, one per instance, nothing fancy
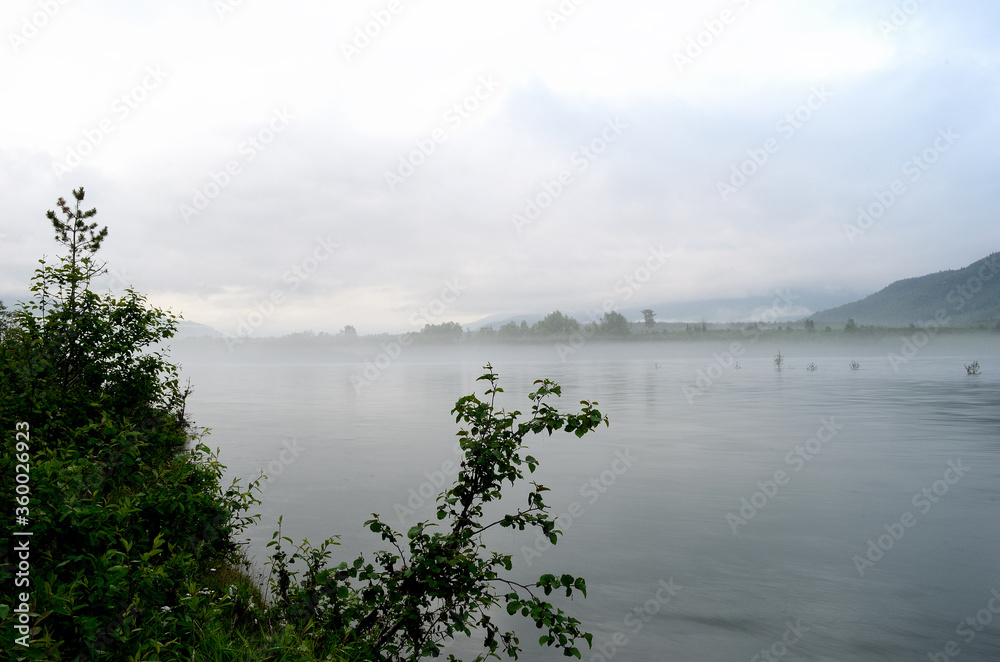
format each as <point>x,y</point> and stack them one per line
<point>392,162</point>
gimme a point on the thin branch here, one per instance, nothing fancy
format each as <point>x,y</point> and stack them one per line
<point>511,583</point>
<point>499,521</point>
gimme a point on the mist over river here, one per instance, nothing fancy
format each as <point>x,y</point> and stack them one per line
<point>827,514</point>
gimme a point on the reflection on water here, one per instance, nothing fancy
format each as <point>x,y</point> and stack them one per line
<point>852,539</point>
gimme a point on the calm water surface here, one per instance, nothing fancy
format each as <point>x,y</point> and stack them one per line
<point>853,513</point>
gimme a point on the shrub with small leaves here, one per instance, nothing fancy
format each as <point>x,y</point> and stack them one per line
<point>439,580</point>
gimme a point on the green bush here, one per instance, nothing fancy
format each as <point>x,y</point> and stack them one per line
<point>126,516</point>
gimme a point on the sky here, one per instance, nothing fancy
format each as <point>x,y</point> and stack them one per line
<point>268,167</point>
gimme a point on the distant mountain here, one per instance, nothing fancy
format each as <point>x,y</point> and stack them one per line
<point>965,296</point>
<point>188,329</point>
<point>778,306</point>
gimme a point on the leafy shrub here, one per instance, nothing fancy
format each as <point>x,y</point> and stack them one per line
<point>125,515</point>
<point>439,580</point>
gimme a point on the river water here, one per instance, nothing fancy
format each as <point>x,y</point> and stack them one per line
<point>827,514</point>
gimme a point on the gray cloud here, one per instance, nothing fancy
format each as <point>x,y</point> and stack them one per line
<point>323,176</point>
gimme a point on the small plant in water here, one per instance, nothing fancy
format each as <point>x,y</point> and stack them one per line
<point>972,368</point>
<point>778,360</point>
<point>855,365</point>
<point>811,367</point>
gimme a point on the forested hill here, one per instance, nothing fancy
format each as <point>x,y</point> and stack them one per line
<point>966,296</point>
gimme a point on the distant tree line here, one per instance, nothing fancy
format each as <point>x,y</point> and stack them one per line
<point>558,324</point>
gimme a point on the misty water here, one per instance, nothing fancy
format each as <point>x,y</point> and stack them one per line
<point>842,555</point>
